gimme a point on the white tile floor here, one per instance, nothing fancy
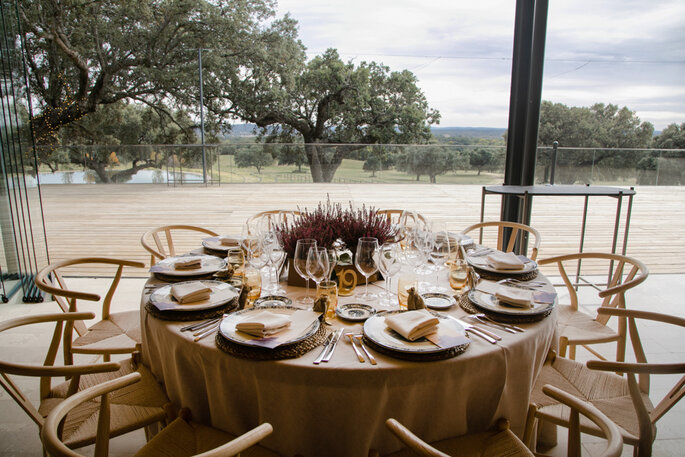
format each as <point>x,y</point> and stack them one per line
<point>19,437</point>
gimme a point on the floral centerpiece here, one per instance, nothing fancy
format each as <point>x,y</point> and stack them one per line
<point>335,226</point>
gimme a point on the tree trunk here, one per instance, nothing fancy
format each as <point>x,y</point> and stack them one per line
<point>322,168</point>
<point>418,177</point>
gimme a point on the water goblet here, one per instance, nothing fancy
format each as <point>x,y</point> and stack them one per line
<point>366,261</point>
<point>300,263</point>
<point>439,255</point>
<point>277,255</point>
<point>389,264</point>
<point>317,264</point>
<point>332,261</point>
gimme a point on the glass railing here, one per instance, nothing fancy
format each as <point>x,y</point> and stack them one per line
<point>290,163</point>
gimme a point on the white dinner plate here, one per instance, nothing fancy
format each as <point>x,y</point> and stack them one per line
<point>214,243</point>
<point>376,330</point>
<point>228,330</point>
<point>489,302</point>
<point>221,294</point>
<point>480,263</point>
<point>210,264</point>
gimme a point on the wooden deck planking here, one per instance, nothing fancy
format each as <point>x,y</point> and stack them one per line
<point>84,220</point>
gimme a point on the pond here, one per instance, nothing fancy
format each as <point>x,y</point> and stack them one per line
<point>90,177</point>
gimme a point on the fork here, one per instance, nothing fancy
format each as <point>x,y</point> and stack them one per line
<point>470,328</point>
<point>477,318</point>
<point>372,359</point>
<point>489,319</point>
<point>350,335</point>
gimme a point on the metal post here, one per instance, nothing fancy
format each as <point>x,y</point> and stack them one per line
<point>555,146</point>
<point>202,120</point>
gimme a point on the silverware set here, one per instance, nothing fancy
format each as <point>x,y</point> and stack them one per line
<point>528,285</point>
<point>354,339</point>
<point>329,346</point>
<point>203,329</point>
<point>486,320</point>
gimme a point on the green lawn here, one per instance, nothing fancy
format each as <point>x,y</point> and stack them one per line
<point>350,171</point>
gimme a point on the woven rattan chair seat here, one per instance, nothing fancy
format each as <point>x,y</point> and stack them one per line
<point>120,334</point>
<point>607,391</point>
<point>581,327</point>
<point>184,439</point>
<point>486,444</point>
<point>131,407</point>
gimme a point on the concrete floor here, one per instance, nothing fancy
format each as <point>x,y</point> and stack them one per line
<point>19,436</point>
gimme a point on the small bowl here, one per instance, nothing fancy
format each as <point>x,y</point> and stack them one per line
<point>356,312</point>
<point>438,301</point>
<point>273,300</point>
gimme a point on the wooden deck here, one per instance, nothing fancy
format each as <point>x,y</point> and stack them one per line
<point>86,220</point>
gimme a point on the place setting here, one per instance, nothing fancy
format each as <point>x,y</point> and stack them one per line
<point>221,245</point>
<point>509,300</point>
<point>271,332</point>
<point>192,300</point>
<point>185,267</point>
<point>495,264</point>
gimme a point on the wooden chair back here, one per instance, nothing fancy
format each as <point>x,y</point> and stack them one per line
<point>628,273</point>
<point>269,219</point>
<point>52,281</point>
<point>517,232</point>
<point>579,407</point>
<point>50,433</point>
<point>395,216</point>
<point>48,369</point>
<point>159,242</point>
<point>643,369</point>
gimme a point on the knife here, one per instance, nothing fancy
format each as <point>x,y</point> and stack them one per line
<point>336,338</point>
<point>326,343</point>
<point>487,336</point>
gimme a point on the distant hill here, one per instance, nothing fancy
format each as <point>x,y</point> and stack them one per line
<point>247,130</point>
<point>469,132</point>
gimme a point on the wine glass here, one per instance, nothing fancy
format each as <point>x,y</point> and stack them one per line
<point>277,255</point>
<point>366,261</point>
<point>439,254</point>
<point>317,264</point>
<point>300,263</point>
<point>332,261</point>
<point>389,264</point>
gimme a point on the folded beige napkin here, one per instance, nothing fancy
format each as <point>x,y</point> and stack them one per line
<point>264,323</point>
<point>413,324</point>
<point>190,263</point>
<point>228,241</point>
<point>515,297</point>
<point>190,292</point>
<point>504,261</point>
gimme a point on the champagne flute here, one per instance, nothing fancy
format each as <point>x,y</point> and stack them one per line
<point>300,263</point>
<point>390,264</point>
<point>366,261</point>
<point>317,264</point>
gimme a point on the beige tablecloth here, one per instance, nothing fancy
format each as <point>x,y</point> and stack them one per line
<point>339,408</point>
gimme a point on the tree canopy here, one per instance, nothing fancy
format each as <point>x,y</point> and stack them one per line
<point>83,54</point>
<point>331,104</point>
<point>599,126</point>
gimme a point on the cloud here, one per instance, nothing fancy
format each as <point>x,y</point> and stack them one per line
<point>627,52</point>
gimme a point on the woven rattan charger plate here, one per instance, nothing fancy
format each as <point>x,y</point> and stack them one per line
<point>289,351</point>
<point>186,316</point>
<point>467,305</point>
<point>485,274</point>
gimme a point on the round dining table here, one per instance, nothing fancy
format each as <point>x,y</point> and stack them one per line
<point>339,408</point>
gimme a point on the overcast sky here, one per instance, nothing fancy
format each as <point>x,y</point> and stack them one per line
<point>626,52</point>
